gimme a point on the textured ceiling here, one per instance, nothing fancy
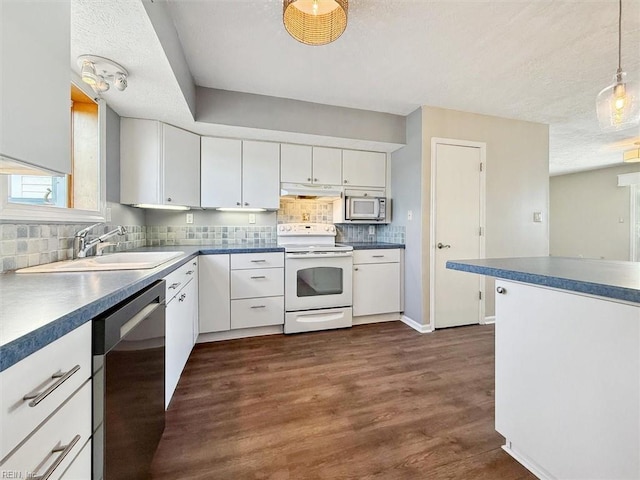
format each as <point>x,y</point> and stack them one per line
<point>542,61</point>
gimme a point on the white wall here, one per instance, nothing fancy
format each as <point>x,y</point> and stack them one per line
<point>585,212</point>
<point>517,184</point>
<point>406,167</point>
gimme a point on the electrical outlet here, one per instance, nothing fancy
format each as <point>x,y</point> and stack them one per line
<point>537,217</point>
<point>620,219</point>
<point>107,214</point>
<point>252,218</point>
<point>410,215</point>
<point>189,217</point>
<point>306,217</point>
<point>372,229</point>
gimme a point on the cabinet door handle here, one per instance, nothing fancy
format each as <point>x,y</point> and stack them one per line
<point>442,245</point>
<point>501,290</point>
<point>315,179</point>
<point>63,450</point>
<point>246,204</point>
<point>356,269</point>
<point>175,285</point>
<point>61,377</point>
<point>168,199</point>
<point>258,306</point>
<point>190,272</point>
<point>309,179</point>
<point>257,277</point>
<point>346,181</point>
<point>258,261</point>
<point>182,297</point>
<point>238,203</point>
<point>377,256</point>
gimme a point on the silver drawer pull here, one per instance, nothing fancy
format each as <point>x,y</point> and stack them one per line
<point>190,272</point>
<point>257,277</point>
<point>63,450</point>
<point>258,261</point>
<point>174,285</point>
<point>182,297</point>
<point>37,397</point>
<point>377,256</point>
<point>258,306</point>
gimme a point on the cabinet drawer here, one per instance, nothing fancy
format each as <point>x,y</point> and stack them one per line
<point>257,312</point>
<point>261,282</point>
<point>382,255</point>
<point>241,261</point>
<point>177,279</point>
<point>68,430</point>
<point>70,355</point>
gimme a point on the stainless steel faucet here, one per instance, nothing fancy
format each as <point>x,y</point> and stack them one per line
<point>82,246</point>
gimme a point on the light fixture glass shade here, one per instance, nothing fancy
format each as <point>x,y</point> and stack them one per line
<point>88,73</point>
<point>315,22</point>
<point>632,156</point>
<point>618,105</point>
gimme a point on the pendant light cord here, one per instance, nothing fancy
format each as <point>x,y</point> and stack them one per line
<point>620,36</point>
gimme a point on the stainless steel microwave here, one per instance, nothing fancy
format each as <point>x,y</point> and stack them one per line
<point>369,209</point>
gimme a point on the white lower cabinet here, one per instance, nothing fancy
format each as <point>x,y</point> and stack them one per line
<point>377,286</point>
<point>182,306</point>
<point>243,290</point>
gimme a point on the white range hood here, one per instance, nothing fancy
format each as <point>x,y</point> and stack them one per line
<point>329,192</point>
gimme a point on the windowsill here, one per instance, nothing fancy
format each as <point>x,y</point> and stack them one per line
<point>14,213</point>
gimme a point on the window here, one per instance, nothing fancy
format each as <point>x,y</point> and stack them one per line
<point>78,197</point>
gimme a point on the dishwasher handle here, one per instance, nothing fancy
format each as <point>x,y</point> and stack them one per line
<point>138,318</point>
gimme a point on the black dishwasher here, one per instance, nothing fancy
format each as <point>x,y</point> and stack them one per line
<point>128,385</point>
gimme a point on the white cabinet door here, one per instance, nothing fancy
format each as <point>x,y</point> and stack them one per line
<point>34,107</point>
<point>364,169</point>
<point>179,337</point>
<point>295,163</point>
<point>221,172</point>
<point>376,288</point>
<point>181,172</point>
<point>261,175</point>
<point>214,293</point>
<point>139,161</point>
<point>327,166</point>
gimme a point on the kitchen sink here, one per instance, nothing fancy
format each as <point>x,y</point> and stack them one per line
<point>114,261</point>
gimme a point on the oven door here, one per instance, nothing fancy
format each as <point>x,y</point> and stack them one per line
<point>318,280</point>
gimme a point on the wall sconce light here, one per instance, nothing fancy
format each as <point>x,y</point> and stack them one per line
<point>100,73</point>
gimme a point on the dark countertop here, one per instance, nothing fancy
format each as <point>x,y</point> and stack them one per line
<point>38,308</point>
<point>604,278</point>
<point>372,245</point>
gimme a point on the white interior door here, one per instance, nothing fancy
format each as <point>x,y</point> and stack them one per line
<point>457,233</point>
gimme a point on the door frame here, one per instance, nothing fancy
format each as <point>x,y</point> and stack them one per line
<point>435,141</point>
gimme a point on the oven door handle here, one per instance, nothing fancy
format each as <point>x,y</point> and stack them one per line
<point>319,317</point>
<point>311,256</point>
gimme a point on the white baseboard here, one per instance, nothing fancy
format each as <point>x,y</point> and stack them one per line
<point>489,320</point>
<point>382,317</point>
<point>241,333</point>
<point>415,325</point>
<point>527,463</point>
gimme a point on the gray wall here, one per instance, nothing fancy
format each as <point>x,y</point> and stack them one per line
<point>406,173</point>
<point>517,183</point>
<point>585,212</point>
<point>285,115</point>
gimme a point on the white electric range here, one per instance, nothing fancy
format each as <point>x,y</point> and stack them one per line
<point>318,277</point>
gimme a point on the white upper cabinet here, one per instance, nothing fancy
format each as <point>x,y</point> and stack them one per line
<point>311,165</point>
<point>221,172</point>
<point>239,173</point>
<point>159,164</point>
<point>35,123</point>
<point>295,163</point>
<point>364,169</point>
<point>261,175</point>
<point>327,166</point>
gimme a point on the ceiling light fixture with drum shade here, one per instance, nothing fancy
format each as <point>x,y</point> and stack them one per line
<point>618,105</point>
<point>315,22</point>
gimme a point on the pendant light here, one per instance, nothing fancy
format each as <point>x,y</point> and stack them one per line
<point>618,105</point>
<point>315,22</point>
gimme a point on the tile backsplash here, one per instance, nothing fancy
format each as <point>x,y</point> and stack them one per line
<point>29,245</point>
<point>299,211</point>
<point>360,233</point>
<point>217,235</point>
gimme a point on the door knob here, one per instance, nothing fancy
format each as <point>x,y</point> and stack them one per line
<point>441,246</point>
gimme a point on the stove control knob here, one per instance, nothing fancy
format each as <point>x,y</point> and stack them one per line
<point>332,228</point>
<point>281,228</point>
<point>288,228</point>
<point>327,228</point>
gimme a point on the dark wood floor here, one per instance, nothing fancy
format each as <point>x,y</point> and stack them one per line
<point>372,402</point>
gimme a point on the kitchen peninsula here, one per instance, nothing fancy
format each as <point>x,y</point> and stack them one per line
<point>567,364</point>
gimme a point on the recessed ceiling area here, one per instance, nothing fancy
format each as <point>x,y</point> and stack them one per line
<point>541,61</point>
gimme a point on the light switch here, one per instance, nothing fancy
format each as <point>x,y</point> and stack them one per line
<point>252,218</point>
<point>372,229</point>
<point>410,215</point>
<point>537,217</point>
<point>189,217</point>
<point>107,214</point>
